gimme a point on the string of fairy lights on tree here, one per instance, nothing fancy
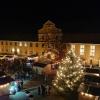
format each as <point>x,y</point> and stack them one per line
<point>69,73</point>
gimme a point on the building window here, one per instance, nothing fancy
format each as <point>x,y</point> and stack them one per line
<point>81,49</point>
<point>6,43</point>
<point>18,50</point>
<point>42,45</point>
<point>36,45</point>
<point>20,44</point>
<point>92,50</point>
<point>15,43</point>
<point>26,52</point>
<point>6,50</point>
<point>13,50</point>
<point>42,37</point>
<point>2,43</point>
<point>42,53</point>
<point>30,44</point>
<point>25,44</point>
<point>73,48</point>
<point>56,37</point>
<point>2,49</point>
<point>10,43</point>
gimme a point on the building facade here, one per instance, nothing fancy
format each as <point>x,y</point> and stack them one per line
<point>90,53</point>
<point>48,37</point>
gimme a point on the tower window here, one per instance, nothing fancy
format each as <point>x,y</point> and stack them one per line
<point>36,45</point>
<point>26,52</point>
<point>6,50</point>
<point>42,37</point>
<point>42,45</point>
<point>56,37</point>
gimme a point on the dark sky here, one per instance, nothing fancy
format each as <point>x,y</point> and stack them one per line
<point>18,18</point>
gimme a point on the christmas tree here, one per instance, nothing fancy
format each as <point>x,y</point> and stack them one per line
<point>69,73</point>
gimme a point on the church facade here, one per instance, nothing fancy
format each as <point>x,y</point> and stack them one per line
<point>48,37</point>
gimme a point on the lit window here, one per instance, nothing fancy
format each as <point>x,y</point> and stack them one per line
<point>92,50</point>
<point>81,49</point>
<point>13,50</point>
<point>20,44</point>
<point>18,50</point>
<point>73,47</point>
<point>25,44</point>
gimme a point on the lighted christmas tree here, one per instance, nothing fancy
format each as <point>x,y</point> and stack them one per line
<point>69,73</point>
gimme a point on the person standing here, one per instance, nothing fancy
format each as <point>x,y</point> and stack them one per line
<point>47,89</point>
<point>39,90</point>
<point>21,83</point>
<point>43,90</point>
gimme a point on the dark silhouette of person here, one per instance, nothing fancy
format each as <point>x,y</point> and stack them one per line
<point>43,90</point>
<point>49,90</point>
<point>21,84</point>
<point>39,90</point>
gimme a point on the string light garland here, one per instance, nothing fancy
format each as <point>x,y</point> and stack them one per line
<point>69,73</point>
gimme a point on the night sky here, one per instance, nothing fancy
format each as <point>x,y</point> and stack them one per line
<point>22,19</point>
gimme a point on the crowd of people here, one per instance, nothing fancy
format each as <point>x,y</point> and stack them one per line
<point>11,66</point>
<point>17,66</point>
<point>18,69</point>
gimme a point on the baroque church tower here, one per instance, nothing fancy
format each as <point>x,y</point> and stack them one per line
<point>52,37</point>
<point>49,33</point>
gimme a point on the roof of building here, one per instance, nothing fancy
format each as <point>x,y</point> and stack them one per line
<point>67,37</point>
<point>6,79</point>
<point>81,38</point>
<point>48,22</point>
